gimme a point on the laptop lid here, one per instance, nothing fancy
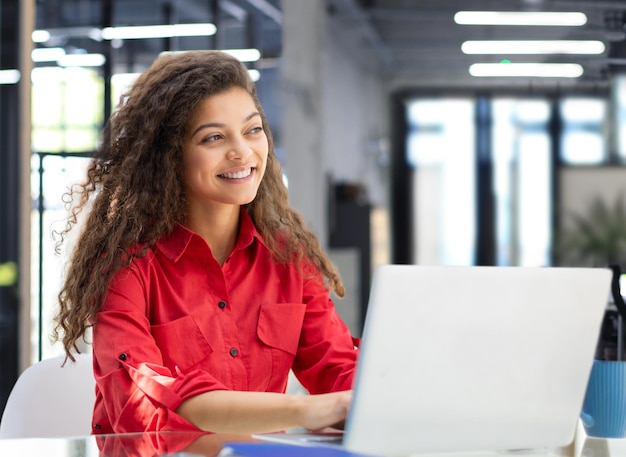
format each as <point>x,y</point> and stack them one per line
<point>474,358</point>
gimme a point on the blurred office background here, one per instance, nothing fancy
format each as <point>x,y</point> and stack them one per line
<point>410,131</point>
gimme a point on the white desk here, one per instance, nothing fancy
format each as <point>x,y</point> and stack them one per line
<point>157,444</point>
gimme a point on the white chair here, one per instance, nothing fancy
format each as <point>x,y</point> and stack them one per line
<point>294,387</point>
<point>51,400</point>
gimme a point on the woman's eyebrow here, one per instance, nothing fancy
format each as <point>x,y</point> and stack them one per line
<point>206,126</point>
<point>220,125</point>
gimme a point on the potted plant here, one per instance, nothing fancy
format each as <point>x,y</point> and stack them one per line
<point>596,238</point>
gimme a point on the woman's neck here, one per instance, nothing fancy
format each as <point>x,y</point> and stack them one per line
<point>219,228</point>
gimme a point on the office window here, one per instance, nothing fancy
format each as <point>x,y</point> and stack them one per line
<point>441,151</point>
<point>51,177</point>
<point>120,84</point>
<point>522,181</point>
<point>66,109</point>
<point>67,117</point>
<point>583,141</point>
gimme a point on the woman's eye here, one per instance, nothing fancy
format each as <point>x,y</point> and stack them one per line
<point>211,138</point>
<point>255,130</point>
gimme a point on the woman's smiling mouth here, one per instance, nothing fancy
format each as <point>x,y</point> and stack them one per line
<point>237,175</point>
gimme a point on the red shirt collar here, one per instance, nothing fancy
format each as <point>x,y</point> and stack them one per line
<point>175,244</point>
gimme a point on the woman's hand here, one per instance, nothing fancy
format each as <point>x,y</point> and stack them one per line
<point>325,410</point>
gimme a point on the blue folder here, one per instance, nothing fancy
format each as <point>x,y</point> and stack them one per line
<point>247,449</point>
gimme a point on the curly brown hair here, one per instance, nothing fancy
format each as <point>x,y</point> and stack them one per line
<point>134,187</point>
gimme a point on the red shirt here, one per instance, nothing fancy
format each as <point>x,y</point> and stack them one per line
<point>176,324</point>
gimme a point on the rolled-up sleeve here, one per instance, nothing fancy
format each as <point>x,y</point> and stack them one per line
<point>135,390</point>
<point>326,358</point>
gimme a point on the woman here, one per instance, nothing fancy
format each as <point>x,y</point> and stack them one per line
<point>203,287</point>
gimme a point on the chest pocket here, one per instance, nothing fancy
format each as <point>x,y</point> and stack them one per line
<point>181,343</point>
<point>279,328</point>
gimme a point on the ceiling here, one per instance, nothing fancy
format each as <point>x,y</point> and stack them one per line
<point>414,42</point>
<point>417,41</point>
<point>240,24</point>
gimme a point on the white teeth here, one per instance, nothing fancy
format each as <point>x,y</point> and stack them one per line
<point>238,175</point>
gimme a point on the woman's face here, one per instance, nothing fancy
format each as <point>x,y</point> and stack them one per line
<point>225,151</point>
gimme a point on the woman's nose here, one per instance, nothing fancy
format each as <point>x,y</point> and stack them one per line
<point>240,149</point>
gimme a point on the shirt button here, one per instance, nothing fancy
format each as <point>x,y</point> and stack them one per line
<point>234,352</point>
<point>97,427</point>
<point>123,356</point>
<point>222,304</point>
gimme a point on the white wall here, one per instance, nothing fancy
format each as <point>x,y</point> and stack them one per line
<point>355,114</point>
<point>335,118</point>
<point>581,186</point>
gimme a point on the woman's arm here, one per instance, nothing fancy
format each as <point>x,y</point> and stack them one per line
<point>224,411</point>
<point>326,357</point>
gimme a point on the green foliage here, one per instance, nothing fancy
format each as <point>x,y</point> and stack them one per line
<point>596,239</point>
<point>8,274</point>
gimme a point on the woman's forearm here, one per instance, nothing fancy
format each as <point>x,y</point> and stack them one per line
<point>224,411</point>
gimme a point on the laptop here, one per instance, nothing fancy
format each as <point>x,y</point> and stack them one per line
<point>458,359</point>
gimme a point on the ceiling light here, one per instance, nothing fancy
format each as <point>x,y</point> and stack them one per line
<point>61,34</point>
<point>158,31</point>
<point>81,60</point>
<point>47,54</point>
<point>533,47</point>
<point>244,55</point>
<point>520,18</point>
<point>538,70</point>
<point>124,33</point>
<point>40,36</point>
<point>255,74</point>
<point>9,76</point>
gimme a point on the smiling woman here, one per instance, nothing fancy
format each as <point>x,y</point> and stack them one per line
<point>224,160</point>
<point>203,286</point>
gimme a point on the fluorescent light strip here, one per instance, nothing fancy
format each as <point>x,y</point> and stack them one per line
<point>40,36</point>
<point>533,47</point>
<point>244,55</point>
<point>47,54</point>
<point>158,31</point>
<point>126,33</point>
<point>255,74</point>
<point>9,76</point>
<point>63,33</point>
<point>538,70</point>
<point>520,18</point>
<point>81,60</point>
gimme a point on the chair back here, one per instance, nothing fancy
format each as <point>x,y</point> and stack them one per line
<point>50,399</point>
